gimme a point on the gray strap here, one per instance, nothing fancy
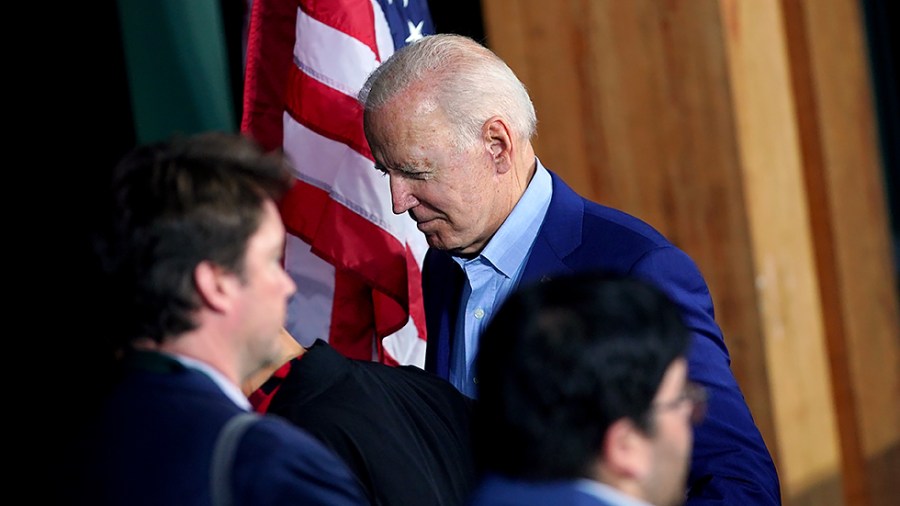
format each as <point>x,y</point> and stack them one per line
<point>223,457</point>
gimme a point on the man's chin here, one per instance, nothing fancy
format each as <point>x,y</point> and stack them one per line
<point>438,242</point>
<point>435,242</point>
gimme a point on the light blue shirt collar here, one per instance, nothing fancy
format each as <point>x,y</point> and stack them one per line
<point>508,250</point>
<point>608,494</point>
<point>225,385</point>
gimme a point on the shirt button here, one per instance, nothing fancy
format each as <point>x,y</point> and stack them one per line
<point>479,313</point>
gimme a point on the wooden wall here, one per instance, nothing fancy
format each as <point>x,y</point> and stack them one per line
<point>745,132</point>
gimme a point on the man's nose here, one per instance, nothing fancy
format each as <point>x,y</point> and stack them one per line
<point>290,285</point>
<point>402,199</point>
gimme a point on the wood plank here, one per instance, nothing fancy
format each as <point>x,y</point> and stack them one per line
<point>788,293</point>
<point>849,217</point>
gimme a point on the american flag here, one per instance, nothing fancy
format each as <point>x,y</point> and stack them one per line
<point>356,264</point>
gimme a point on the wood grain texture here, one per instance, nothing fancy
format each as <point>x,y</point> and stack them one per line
<point>777,210</point>
<point>849,219</point>
<point>744,131</point>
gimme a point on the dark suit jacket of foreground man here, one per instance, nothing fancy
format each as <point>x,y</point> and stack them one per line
<point>154,446</point>
<point>731,464</point>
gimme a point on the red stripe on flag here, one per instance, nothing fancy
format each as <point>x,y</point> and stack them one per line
<point>301,209</point>
<point>352,326</point>
<point>270,42</point>
<point>416,304</point>
<point>347,240</point>
<point>326,111</point>
<point>353,17</point>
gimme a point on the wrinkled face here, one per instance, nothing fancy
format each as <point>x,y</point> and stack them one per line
<point>671,440</point>
<point>452,193</point>
<point>264,291</point>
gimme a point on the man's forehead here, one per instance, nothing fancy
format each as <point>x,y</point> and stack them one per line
<point>425,107</point>
<point>414,101</point>
<point>271,221</point>
<point>675,375</point>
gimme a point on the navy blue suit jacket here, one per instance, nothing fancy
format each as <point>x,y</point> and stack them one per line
<point>154,442</point>
<point>731,464</point>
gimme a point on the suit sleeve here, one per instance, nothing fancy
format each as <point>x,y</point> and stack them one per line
<point>279,464</point>
<point>731,464</point>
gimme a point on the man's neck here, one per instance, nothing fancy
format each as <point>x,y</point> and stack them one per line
<point>289,349</point>
<point>523,174</point>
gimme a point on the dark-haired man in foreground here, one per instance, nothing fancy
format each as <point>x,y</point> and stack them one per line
<point>583,397</point>
<point>193,249</point>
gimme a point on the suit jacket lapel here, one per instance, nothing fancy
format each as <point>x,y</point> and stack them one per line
<point>444,287</point>
<point>559,235</point>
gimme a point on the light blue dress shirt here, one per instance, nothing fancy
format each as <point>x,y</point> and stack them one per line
<point>494,274</point>
<point>608,494</point>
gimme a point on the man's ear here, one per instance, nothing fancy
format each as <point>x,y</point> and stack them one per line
<point>215,285</point>
<point>498,141</point>
<point>626,450</point>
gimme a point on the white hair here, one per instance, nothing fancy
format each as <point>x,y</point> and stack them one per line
<point>466,80</point>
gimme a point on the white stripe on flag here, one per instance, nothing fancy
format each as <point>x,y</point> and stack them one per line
<point>405,346</point>
<point>350,179</point>
<point>309,309</point>
<point>315,49</point>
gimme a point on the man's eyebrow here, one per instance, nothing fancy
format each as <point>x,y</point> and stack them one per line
<point>407,169</point>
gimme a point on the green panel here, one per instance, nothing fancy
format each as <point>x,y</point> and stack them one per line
<point>177,65</point>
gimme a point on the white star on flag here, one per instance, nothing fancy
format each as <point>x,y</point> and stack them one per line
<point>415,31</point>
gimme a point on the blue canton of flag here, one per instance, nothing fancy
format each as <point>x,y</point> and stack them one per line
<point>409,20</point>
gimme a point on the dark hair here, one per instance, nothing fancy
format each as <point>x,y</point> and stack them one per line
<point>173,205</point>
<point>560,362</point>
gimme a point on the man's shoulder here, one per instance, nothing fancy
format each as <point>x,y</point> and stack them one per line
<point>271,441</point>
<point>149,396</point>
<point>608,235</point>
<point>296,467</point>
<point>598,222</point>
<point>614,221</point>
<point>275,432</point>
<point>500,491</point>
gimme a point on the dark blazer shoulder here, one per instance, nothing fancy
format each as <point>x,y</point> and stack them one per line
<point>578,234</point>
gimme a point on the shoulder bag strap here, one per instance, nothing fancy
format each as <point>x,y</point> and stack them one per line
<point>223,457</point>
